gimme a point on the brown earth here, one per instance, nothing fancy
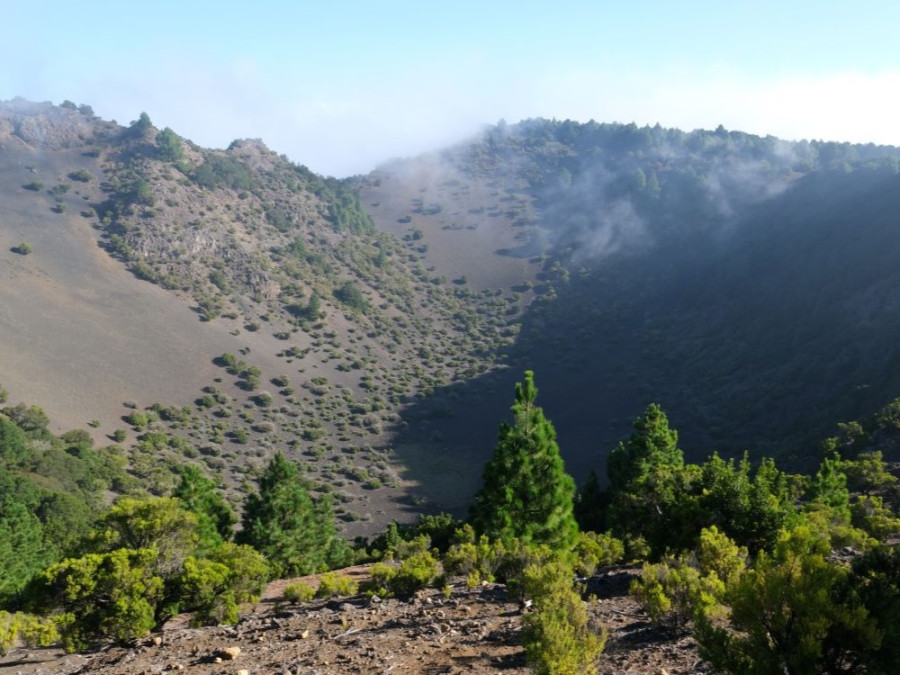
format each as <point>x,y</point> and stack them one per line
<point>469,631</point>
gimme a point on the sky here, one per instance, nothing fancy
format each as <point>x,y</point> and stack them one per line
<point>344,86</point>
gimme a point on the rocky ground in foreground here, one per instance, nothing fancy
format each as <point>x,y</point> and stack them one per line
<point>471,631</point>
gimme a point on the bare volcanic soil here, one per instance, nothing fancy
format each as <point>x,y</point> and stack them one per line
<point>470,631</point>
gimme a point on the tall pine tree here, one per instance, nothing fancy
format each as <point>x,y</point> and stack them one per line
<point>296,534</point>
<point>526,493</point>
<point>652,445</point>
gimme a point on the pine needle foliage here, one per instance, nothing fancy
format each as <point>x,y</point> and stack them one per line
<point>526,493</point>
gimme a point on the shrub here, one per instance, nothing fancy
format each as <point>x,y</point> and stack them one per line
<point>28,629</point>
<point>203,587</point>
<point>869,514</point>
<point>110,595</point>
<point>381,577</point>
<point>333,584</point>
<point>594,550</point>
<point>786,616</point>
<point>82,176</point>
<point>298,593</point>
<point>415,573</point>
<point>719,555</point>
<point>676,593</point>
<point>557,636</point>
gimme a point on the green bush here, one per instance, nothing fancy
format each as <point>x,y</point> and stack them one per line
<point>30,630</point>
<point>719,555</point>
<point>82,176</point>
<point>298,593</point>
<point>203,587</point>
<point>557,636</point>
<point>594,550</point>
<point>787,615</point>
<point>415,573</point>
<point>333,584</point>
<point>109,595</point>
<point>674,594</point>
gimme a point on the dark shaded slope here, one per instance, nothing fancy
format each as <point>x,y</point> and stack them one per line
<point>755,331</point>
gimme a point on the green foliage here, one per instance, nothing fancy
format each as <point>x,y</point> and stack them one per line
<point>751,508</point>
<point>12,442</point>
<point>157,523</point>
<point>22,548</point>
<point>82,176</point>
<point>869,474</point>
<point>248,570</point>
<point>478,560</point>
<point>874,582</point>
<point>223,171</point>
<point>141,126</point>
<point>416,572</point>
<point>829,485</point>
<point>30,630</point>
<point>349,294</point>
<point>526,493</point>
<point>653,444</point>
<point>215,519</point>
<point>168,146</point>
<point>869,514</point>
<point>720,556</point>
<point>296,534</point>
<point>381,577</point>
<point>107,595</point>
<point>203,587</point>
<point>333,584</point>
<point>298,592</point>
<point>835,527</point>
<point>557,636</point>
<point>784,614</point>
<point>646,481</point>
<point>674,593</point>
<point>593,551</point>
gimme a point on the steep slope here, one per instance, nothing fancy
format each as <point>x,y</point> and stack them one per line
<point>276,317</point>
<point>745,283</point>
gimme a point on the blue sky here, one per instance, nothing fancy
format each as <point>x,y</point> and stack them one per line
<point>343,86</point>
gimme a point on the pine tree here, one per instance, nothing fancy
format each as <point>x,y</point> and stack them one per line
<point>526,493</point>
<point>652,444</point>
<point>198,495</point>
<point>296,534</point>
<point>647,482</point>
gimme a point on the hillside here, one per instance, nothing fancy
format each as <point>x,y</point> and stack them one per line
<point>373,327</point>
<point>276,317</point>
<point>187,327</point>
<point>745,283</point>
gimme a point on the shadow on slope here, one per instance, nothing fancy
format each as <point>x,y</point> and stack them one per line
<point>761,341</point>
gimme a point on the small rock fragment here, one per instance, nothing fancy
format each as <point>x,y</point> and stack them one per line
<point>231,653</point>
